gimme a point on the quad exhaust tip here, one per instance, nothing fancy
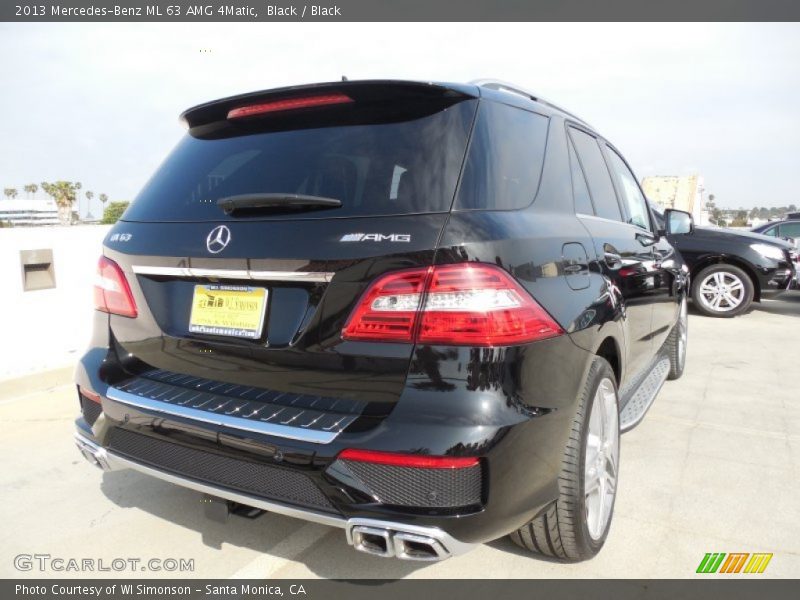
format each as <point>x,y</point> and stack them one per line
<point>388,543</point>
<point>94,455</point>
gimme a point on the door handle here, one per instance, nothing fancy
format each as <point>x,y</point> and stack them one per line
<point>613,260</point>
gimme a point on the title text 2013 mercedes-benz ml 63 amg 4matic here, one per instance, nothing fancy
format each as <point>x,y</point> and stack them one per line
<point>419,312</point>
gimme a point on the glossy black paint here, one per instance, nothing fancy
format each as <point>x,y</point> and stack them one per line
<point>706,246</point>
<point>510,406</point>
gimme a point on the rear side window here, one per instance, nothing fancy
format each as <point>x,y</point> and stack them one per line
<point>505,159</point>
<point>597,175</point>
<point>580,191</point>
<point>791,230</point>
<point>381,160</point>
<point>631,194</point>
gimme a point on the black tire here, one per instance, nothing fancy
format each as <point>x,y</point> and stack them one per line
<point>675,345</point>
<point>727,271</point>
<point>561,530</point>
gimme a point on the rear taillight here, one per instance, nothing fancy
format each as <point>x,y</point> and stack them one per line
<point>112,294</point>
<point>288,104</point>
<point>467,304</point>
<point>419,461</point>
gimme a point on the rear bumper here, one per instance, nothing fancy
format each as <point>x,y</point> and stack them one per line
<point>512,409</point>
<point>401,540</point>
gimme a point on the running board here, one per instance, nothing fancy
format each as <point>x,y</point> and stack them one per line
<point>643,397</point>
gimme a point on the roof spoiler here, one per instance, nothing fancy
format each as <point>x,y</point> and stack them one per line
<point>368,90</point>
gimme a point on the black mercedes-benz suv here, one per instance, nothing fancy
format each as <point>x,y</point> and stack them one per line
<point>730,269</point>
<point>418,312</point>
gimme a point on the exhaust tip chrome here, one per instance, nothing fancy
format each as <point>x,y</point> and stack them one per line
<point>94,454</point>
<point>407,542</point>
<point>410,546</point>
<point>373,541</point>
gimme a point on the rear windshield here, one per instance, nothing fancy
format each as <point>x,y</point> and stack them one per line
<point>389,162</point>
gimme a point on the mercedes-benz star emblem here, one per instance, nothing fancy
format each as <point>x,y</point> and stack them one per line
<point>219,237</point>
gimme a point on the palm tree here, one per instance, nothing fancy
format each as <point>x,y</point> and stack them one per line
<point>89,196</point>
<point>64,193</point>
<point>31,189</point>
<point>10,193</point>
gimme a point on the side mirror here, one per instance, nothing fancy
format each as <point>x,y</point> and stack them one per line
<point>678,222</point>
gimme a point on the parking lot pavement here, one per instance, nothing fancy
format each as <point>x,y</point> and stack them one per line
<point>714,467</point>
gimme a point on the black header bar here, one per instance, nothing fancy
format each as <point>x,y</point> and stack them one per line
<point>99,11</point>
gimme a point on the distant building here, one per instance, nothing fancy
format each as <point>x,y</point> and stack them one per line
<point>672,191</point>
<point>29,212</point>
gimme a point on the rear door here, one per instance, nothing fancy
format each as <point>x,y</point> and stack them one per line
<point>661,265</point>
<point>254,302</point>
<point>625,258</point>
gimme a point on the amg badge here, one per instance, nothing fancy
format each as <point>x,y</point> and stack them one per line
<point>376,237</point>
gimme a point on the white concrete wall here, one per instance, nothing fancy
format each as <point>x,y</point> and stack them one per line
<point>46,329</point>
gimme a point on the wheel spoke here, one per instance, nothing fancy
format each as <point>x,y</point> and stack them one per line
<point>611,466</point>
<point>591,486</point>
<point>593,444</point>
<point>731,299</point>
<point>603,423</point>
<point>601,504</point>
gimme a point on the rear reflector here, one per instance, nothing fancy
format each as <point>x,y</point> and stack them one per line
<point>288,104</point>
<point>89,394</point>
<point>408,460</point>
<point>466,304</point>
<point>112,294</point>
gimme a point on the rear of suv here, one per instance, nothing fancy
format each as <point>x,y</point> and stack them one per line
<point>419,312</point>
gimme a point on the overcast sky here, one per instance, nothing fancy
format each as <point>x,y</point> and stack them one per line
<point>98,103</point>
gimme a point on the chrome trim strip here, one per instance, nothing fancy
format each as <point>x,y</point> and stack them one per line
<point>504,86</point>
<point>115,462</point>
<point>283,431</point>
<point>111,461</point>
<point>313,276</point>
<point>318,276</point>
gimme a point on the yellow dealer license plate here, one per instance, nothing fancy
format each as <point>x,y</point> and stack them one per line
<point>232,310</point>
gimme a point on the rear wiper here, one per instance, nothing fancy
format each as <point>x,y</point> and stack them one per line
<point>250,202</point>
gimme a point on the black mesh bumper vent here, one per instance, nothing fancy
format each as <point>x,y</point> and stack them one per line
<point>274,483</point>
<point>90,410</point>
<point>418,487</point>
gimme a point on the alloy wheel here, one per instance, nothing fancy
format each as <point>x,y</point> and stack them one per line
<point>722,291</point>
<point>602,459</point>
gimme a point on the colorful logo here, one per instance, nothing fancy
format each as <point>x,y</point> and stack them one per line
<point>735,562</point>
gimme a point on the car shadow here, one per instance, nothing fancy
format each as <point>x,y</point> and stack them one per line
<point>787,304</point>
<point>329,556</point>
